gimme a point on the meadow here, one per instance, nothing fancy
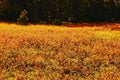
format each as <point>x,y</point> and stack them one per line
<point>47,52</point>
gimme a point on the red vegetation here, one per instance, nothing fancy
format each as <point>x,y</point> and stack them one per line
<point>109,25</point>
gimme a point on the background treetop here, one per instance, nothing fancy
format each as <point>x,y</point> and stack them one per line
<point>57,11</point>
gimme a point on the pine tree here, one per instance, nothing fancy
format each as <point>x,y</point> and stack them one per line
<point>23,19</point>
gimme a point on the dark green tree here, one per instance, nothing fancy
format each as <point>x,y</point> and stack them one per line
<point>58,11</point>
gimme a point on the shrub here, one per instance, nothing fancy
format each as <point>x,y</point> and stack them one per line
<point>57,22</point>
<point>23,19</point>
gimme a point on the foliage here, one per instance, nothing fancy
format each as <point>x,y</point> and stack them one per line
<point>23,19</point>
<point>54,53</point>
<point>63,10</point>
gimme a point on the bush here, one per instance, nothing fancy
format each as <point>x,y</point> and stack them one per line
<point>23,19</point>
<point>57,22</point>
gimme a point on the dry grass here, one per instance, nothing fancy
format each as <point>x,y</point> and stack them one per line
<point>39,52</point>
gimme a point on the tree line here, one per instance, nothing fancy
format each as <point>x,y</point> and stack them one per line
<point>58,11</point>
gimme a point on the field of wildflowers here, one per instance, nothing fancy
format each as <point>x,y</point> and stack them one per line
<point>41,52</point>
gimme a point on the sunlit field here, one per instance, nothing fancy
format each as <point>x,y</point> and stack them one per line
<point>46,52</point>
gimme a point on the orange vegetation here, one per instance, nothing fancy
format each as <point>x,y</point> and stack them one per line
<point>39,52</point>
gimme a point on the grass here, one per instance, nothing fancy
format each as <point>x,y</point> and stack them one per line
<point>46,52</point>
